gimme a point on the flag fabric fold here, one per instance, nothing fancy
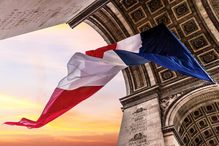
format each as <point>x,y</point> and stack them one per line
<point>89,72</point>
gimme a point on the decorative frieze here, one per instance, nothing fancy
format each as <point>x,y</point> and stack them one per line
<point>181,10</point>
<point>166,101</point>
<point>189,27</point>
<point>155,5</point>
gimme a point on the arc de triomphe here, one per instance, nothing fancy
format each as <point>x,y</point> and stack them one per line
<point>162,107</point>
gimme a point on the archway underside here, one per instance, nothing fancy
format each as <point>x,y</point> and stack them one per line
<point>195,116</point>
<point>196,24</point>
<point>201,126</point>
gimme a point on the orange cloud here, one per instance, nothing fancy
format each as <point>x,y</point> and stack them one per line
<point>61,140</point>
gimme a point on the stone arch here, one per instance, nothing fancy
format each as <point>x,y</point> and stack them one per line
<point>168,90</point>
<point>209,13</point>
<point>188,19</point>
<point>113,26</point>
<point>193,24</point>
<point>183,116</point>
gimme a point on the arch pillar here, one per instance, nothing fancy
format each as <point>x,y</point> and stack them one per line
<point>141,122</point>
<point>171,137</point>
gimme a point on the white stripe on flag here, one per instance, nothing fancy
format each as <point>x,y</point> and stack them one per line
<point>84,70</point>
<point>132,44</point>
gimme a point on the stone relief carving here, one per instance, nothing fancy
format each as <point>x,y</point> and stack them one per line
<point>139,110</point>
<point>166,101</point>
<point>209,57</point>
<point>189,27</point>
<point>139,139</point>
<point>137,127</point>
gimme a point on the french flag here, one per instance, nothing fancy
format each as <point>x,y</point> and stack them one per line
<point>89,72</point>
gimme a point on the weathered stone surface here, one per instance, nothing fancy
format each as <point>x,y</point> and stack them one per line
<point>22,16</point>
<point>141,125</point>
<point>170,140</point>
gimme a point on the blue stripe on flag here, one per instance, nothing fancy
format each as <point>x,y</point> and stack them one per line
<point>162,47</point>
<point>130,58</point>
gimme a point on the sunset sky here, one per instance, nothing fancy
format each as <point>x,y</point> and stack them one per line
<point>30,67</point>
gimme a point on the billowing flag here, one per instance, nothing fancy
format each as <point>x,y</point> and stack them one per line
<point>88,73</point>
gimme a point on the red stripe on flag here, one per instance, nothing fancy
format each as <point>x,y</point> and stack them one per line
<point>100,51</point>
<point>60,102</point>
